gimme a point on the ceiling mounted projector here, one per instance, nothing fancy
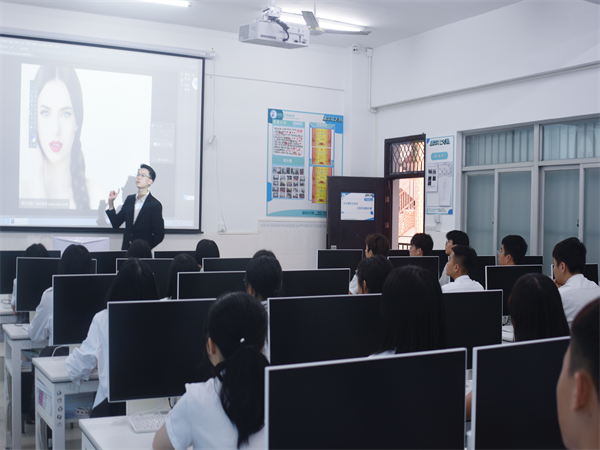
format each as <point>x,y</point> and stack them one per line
<point>270,30</point>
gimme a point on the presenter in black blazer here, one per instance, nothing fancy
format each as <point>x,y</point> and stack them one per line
<point>142,213</point>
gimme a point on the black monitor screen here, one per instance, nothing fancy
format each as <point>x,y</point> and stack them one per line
<point>473,319</point>
<point>304,283</point>
<point>8,267</point>
<point>160,268</point>
<point>107,261</point>
<point>77,298</point>
<point>505,277</point>
<point>225,264</point>
<point>532,259</point>
<point>173,253</point>
<point>339,259</point>
<point>477,273</point>
<point>427,262</point>
<point>409,401</point>
<point>398,252</point>
<point>443,259</point>
<point>34,276</point>
<point>209,284</point>
<point>527,371</point>
<point>155,348</point>
<point>308,329</point>
<point>590,271</point>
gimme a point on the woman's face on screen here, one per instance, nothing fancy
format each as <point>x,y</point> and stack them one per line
<point>56,121</point>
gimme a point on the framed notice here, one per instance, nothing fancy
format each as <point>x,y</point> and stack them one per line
<point>439,175</point>
<point>303,150</point>
<point>357,206</point>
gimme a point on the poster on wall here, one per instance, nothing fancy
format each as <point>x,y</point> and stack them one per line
<point>303,150</point>
<point>439,175</point>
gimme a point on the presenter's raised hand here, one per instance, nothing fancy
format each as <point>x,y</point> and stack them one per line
<point>111,198</point>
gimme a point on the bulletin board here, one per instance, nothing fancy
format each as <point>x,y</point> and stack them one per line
<point>439,175</point>
<point>303,149</point>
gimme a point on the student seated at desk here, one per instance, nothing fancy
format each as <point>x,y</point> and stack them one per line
<point>206,249</point>
<point>453,238</point>
<point>264,278</point>
<point>372,273</point>
<point>512,251</point>
<point>375,244</point>
<point>181,263</point>
<point>412,309</point>
<point>135,281</point>
<point>227,411</point>
<point>33,251</point>
<point>575,290</point>
<point>75,260</point>
<point>421,244</point>
<point>578,388</point>
<point>462,260</point>
<point>139,248</point>
<point>536,312</point>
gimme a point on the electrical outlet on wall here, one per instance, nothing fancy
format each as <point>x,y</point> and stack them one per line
<point>430,229</point>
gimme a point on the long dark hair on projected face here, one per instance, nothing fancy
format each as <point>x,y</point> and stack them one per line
<point>237,324</point>
<point>69,77</point>
<point>412,310</point>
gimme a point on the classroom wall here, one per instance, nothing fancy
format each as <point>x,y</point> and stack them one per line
<point>527,62</point>
<point>240,84</point>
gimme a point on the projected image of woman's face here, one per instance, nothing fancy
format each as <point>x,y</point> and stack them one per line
<point>56,121</point>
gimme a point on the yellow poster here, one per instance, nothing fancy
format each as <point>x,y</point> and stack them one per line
<point>319,184</point>
<point>321,137</point>
<point>321,156</point>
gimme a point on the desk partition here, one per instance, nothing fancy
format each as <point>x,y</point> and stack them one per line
<point>408,401</point>
<point>309,329</point>
<point>527,371</point>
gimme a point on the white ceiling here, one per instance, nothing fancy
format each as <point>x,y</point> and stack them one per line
<point>389,20</point>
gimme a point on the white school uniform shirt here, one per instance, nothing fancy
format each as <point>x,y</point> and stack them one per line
<point>444,278</point>
<point>577,292</point>
<point>13,298</point>
<point>93,351</point>
<point>199,419</point>
<point>137,206</point>
<point>463,284</point>
<point>40,327</point>
<point>353,288</point>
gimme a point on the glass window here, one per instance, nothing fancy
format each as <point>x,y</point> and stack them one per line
<point>502,147</point>
<point>480,212</point>
<point>591,214</point>
<point>571,140</point>
<point>514,205</point>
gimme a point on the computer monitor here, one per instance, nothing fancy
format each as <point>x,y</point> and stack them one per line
<point>339,259</point>
<point>209,284</point>
<point>173,253</point>
<point>305,283</point>
<point>8,267</point>
<point>34,276</point>
<point>160,267</point>
<point>533,260</point>
<point>443,259</point>
<point>473,319</point>
<point>430,263</point>
<point>107,261</point>
<point>477,273</point>
<point>155,348</point>
<point>398,252</point>
<point>505,277</point>
<point>309,329</point>
<point>225,264</point>
<point>77,298</point>
<point>514,395</point>
<point>590,271</point>
<point>407,401</point>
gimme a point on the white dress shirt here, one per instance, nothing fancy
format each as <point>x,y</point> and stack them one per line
<point>353,287</point>
<point>137,207</point>
<point>463,284</point>
<point>93,351</point>
<point>40,327</point>
<point>444,278</point>
<point>577,292</point>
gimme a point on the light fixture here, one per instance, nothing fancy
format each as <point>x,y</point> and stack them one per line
<point>181,3</point>
<point>326,24</point>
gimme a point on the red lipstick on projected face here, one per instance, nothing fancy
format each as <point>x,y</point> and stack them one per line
<point>55,146</point>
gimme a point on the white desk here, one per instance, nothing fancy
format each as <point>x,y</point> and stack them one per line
<point>52,373</point>
<point>101,434</point>
<point>6,316</point>
<point>15,340</point>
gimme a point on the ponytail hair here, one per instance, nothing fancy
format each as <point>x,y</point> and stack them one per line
<point>71,81</point>
<point>237,323</point>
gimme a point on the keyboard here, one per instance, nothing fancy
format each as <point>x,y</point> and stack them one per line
<point>147,423</point>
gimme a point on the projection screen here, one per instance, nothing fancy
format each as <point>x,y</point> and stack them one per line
<point>79,119</point>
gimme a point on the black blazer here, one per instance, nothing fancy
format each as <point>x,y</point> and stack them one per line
<point>149,225</point>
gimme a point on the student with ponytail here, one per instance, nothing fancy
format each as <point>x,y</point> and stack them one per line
<point>227,411</point>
